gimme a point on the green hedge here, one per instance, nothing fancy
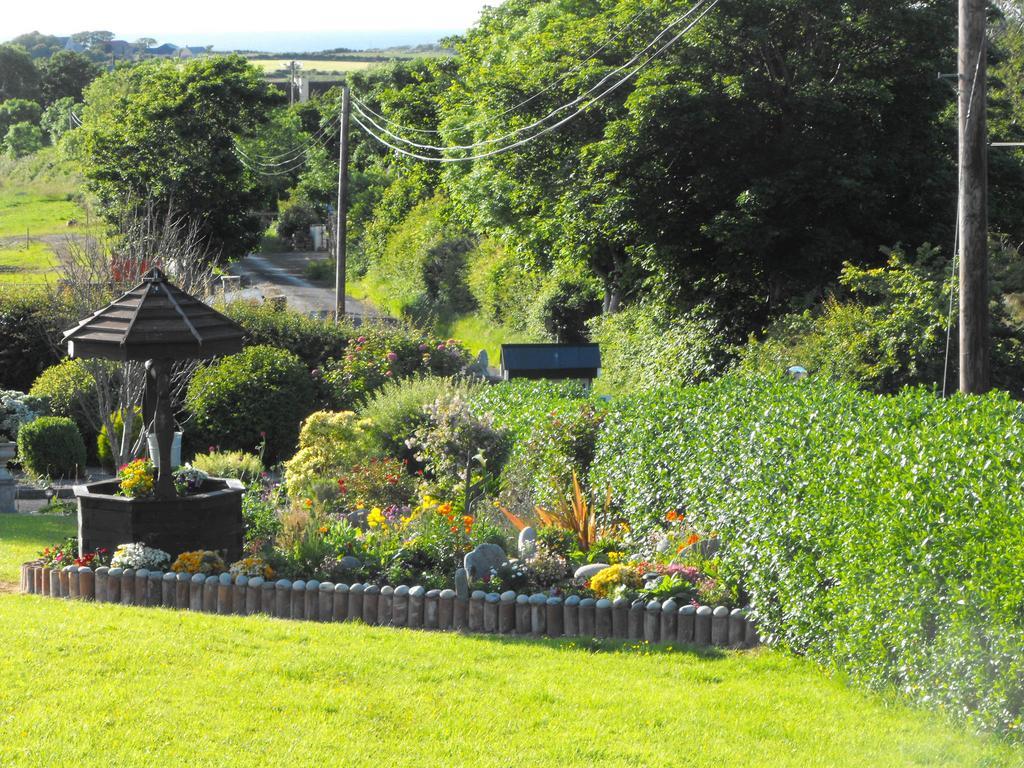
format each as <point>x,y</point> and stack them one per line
<point>30,326</point>
<point>881,535</point>
<point>51,446</point>
<point>260,391</point>
<point>313,340</point>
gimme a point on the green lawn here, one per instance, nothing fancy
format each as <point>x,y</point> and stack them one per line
<point>145,687</point>
<point>23,536</point>
<point>311,65</point>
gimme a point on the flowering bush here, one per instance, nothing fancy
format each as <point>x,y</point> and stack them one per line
<point>614,581</point>
<point>60,555</point>
<point>16,410</point>
<point>200,561</point>
<point>252,566</point>
<point>329,444</point>
<point>454,439</point>
<point>95,559</point>
<point>189,480</point>
<point>379,356</point>
<point>379,482</point>
<point>138,479</point>
<point>138,555</point>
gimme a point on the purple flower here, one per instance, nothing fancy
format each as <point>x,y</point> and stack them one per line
<point>392,357</point>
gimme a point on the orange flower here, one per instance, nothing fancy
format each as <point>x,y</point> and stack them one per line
<point>672,516</point>
<point>692,539</point>
<point>445,509</point>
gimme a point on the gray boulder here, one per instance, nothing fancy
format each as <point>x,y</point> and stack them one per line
<point>461,584</point>
<point>585,572</point>
<point>483,559</point>
<point>350,563</point>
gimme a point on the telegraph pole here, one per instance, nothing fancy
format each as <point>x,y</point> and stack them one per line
<point>341,230</point>
<point>973,200</point>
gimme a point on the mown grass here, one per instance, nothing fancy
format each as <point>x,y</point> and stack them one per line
<point>22,537</point>
<point>153,686</point>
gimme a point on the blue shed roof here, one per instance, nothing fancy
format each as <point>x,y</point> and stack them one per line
<point>550,357</point>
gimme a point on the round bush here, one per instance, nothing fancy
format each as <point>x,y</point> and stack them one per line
<point>260,394</point>
<point>69,387</point>
<point>51,446</point>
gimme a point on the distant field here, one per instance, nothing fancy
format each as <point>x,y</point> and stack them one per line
<point>30,224</point>
<point>309,65</point>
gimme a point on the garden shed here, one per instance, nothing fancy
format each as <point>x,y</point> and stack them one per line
<point>550,361</point>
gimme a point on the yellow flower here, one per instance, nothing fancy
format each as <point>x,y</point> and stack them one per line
<point>376,519</point>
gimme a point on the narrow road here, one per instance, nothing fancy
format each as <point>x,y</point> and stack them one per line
<point>283,274</point>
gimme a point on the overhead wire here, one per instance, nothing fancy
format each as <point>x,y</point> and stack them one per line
<point>547,129</point>
<point>537,94</point>
<point>359,106</point>
<point>286,157</point>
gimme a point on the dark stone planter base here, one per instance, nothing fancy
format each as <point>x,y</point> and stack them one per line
<point>208,520</point>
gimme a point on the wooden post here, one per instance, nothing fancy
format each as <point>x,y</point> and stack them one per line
<point>417,596</point>
<point>491,610</point>
<point>737,627</point>
<point>240,598</point>
<point>685,624</point>
<point>325,608</point>
<point>340,612</point>
<point>297,609</point>
<point>154,588</point>
<point>283,599</point>
<point>523,614</point>
<point>586,610</point>
<point>197,584</point>
<point>355,602</point>
<point>720,625</point>
<point>555,617</point>
<point>538,614</point>
<point>973,200</point>
<point>168,589</point>
<point>385,605</point>
<point>652,622</point>
<point>225,594</point>
<point>86,583</point>
<point>669,618</point>
<point>312,608</point>
<point>341,229</point>
<point>430,608</point>
<point>445,610</point>
<point>620,618</point>
<point>507,613</point>
<point>113,585</point>
<point>371,602</point>
<point>211,584</point>
<point>702,626</point>
<point>400,608</point>
<point>571,622</point>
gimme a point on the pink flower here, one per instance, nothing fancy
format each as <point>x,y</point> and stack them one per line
<point>392,357</point>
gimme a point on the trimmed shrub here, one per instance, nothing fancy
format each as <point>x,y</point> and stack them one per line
<point>313,340</point>
<point>329,444</point>
<point>51,446</point>
<point>69,387</point>
<point>235,464</point>
<point>881,535</point>
<point>259,395</point>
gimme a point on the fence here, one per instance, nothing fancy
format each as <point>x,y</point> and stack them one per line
<point>413,607</point>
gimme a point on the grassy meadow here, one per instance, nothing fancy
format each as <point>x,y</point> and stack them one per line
<point>130,683</point>
<point>39,196</point>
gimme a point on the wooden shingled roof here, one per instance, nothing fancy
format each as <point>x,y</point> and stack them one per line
<point>155,320</point>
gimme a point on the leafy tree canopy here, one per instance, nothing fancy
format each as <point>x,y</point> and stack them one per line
<point>162,134</point>
<point>19,78</point>
<point>66,74</point>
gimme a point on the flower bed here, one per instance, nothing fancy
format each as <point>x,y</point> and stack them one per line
<point>508,613</point>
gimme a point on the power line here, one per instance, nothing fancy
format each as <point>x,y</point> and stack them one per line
<point>293,153</point>
<point>548,129</point>
<point>619,32</point>
<point>512,134</point>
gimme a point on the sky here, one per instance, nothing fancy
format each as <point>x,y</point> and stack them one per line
<point>250,24</point>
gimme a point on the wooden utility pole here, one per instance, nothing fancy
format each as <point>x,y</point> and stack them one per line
<point>973,200</point>
<point>341,230</point>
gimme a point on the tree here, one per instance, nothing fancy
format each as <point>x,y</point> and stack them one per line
<point>38,45</point>
<point>18,76</point>
<point>93,39</point>
<point>144,43</point>
<point>66,74</point>
<point>56,119</point>
<point>742,166</point>
<point>162,134</point>
<point>18,111</point>
<point>23,139</point>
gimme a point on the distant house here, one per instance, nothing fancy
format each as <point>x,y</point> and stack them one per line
<point>74,47</point>
<point>184,53</point>
<point>550,361</point>
<point>162,51</point>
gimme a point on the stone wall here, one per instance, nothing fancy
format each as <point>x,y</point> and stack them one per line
<point>412,607</point>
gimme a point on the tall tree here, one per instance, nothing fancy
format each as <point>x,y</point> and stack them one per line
<point>162,134</point>
<point>18,76</point>
<point>66,74</point>
<point>746,163</point>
